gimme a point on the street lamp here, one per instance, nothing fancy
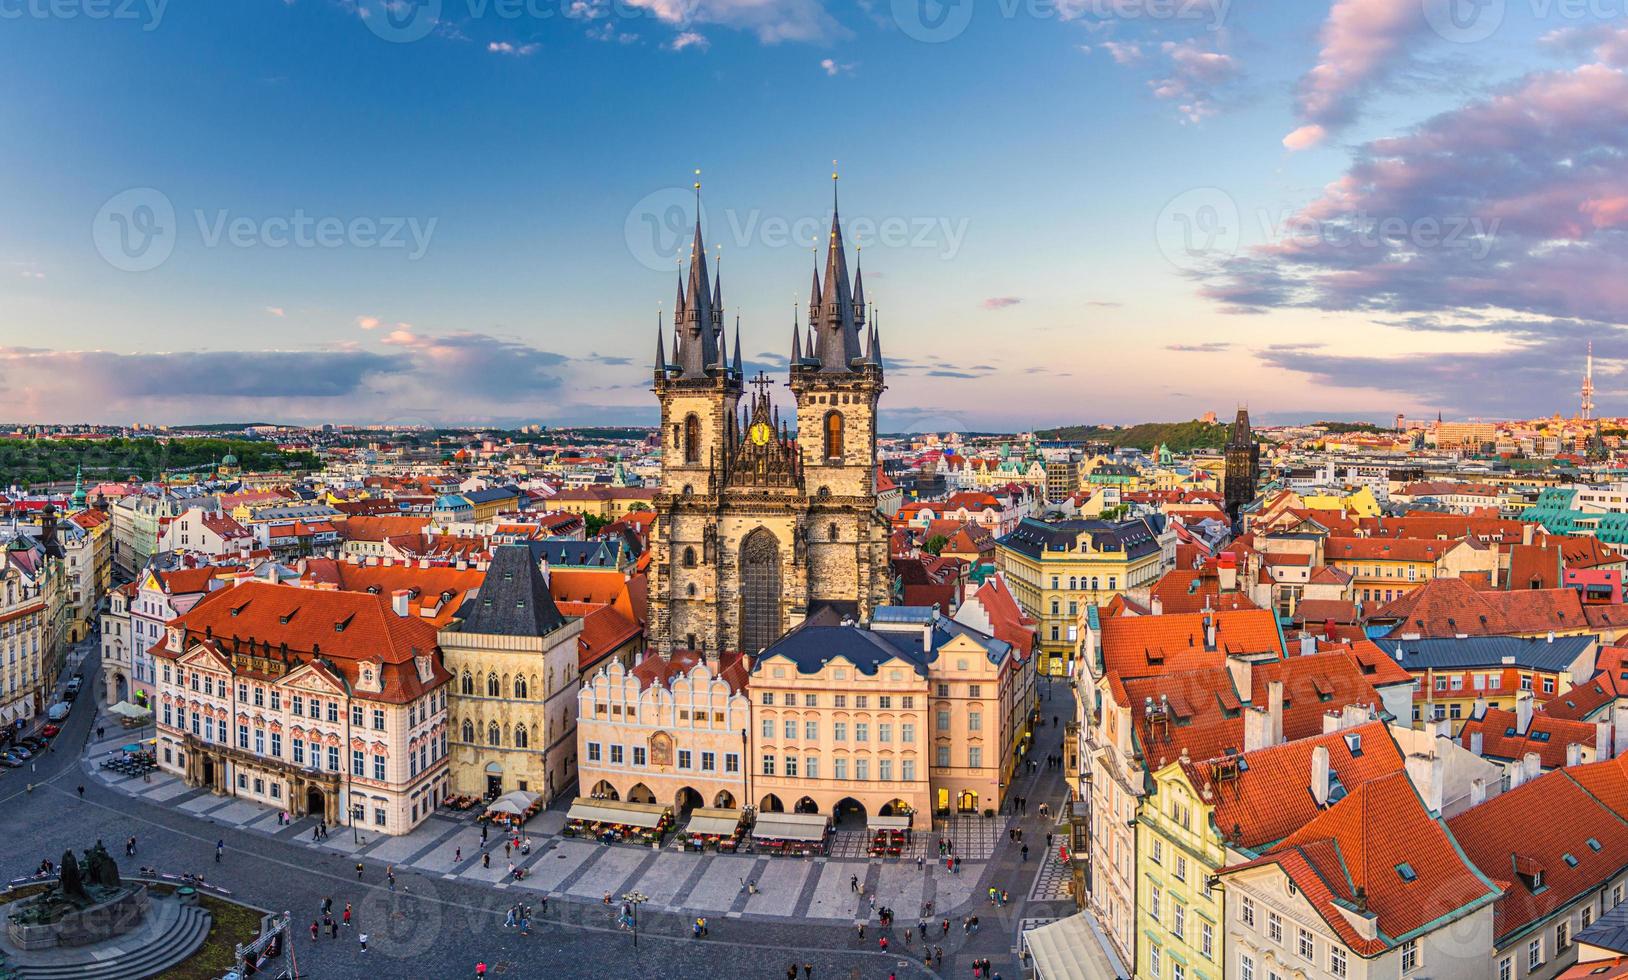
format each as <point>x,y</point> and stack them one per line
<point>634,900</point>
<point>356,813</point>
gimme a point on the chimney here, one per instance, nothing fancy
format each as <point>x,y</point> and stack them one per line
<point>1440,727</point>
<point>1475,742</point>
<point>1574,754</point>
<point>1479,709</point>
<point>1257,729</point>
<point>1478,791</point>
<point>1227,576</point>
<point>1523,712</point>
<point>1619,727</point>
<point>1602,740</point>
<point>1156,606</point>
<point>1308,643</point>
<point>1331,721</point>
<point>1242,677</point>
<point>1527,529</point>
<point>1209,631</point>
<point>1274,708</point>
<point>1532,764</point>
<point>1319,775</point>
<point>399,600</point>
<point>1427,773</point>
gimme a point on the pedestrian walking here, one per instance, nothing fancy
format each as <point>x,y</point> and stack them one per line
<point>1025,852</point>
<point>358,871</point>
<point>347,915</point>
<point>98,733</point>
<point>220,848</point>
<point>81,792</point>
<point>507,849</point>
<point>333,929</point>
<point>390,876</point>
<point>458,855</point>
<point>363,939</point>
<point>313,930</point>
<point>944,928</point>
<point>1048,841</point>
<point>919,863</point>
<point>808,971</point>
<point>486,859</point>
<point>480,969</point>
<point>883,943</point>
<point>861,927</point>
<point>791,972</point>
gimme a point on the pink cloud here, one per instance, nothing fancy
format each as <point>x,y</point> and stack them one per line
<point>1361,41</point>
<point>1001,302</point>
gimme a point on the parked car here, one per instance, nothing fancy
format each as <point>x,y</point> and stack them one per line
<point>20,752</point>
<point>11,760</point>
<point>51,731</point>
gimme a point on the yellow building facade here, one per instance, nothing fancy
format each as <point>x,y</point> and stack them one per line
<point>1056,569</point>
<point>1179,916</point>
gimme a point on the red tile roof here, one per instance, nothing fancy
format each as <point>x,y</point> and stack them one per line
<point>1532,828</point>
<point>380,528</point>
<point>341,629</point>
<point>1271,796</point>
<point>1547,736</point>
<point>428,585</point>
<point>1355,852</point>
<point>604,630</point>
<point>1139,646</point>
<point>1581,700</point>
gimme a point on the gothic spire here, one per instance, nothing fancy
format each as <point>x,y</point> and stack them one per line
<point>838,332</point>
<point>796,338</point>
<point>859,289</point>
<point>738,373</point>
<point>875,355</point>
<point>661,351</point>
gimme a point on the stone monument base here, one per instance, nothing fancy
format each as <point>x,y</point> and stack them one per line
<point>93,924</point>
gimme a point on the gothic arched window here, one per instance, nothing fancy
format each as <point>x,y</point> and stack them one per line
<point>760,590</point>
<point>519,686</point>
<point>521,739</point>
<point>493,690</point>
<point>494,734</point>
<point>692,439</point>
<point>468,683</point>
<point>469,730</point>
<point>832,531</point>
<point>689,557</point>
<point>833,435</point>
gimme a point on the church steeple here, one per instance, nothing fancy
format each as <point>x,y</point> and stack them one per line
<point>836,344</point>
<point>738,375</point>
<point>796,339</point>
<point>661,350</point>
<point>698,320</point>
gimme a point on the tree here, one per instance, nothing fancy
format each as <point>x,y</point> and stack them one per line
<point>935,544</point>
<point>595,524</point>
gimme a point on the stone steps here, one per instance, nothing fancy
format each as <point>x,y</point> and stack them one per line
<point>178,942</point>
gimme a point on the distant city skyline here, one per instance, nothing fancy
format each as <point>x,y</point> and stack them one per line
<point>1088,211</point>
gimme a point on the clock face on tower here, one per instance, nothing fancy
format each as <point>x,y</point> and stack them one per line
<point>760,433</point>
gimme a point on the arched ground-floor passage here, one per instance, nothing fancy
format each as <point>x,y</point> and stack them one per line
<point>603,790</point>
<point>849,814</point>
<point>895,808</point>
<point>686,800</point>
<point>806,805</point>
<point>494,780</point>
<point>725,800</point>
<point>771,804</point>
<point>640,793</point>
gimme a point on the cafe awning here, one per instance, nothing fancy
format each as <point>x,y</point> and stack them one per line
<point>617,812</point>
<point>124,709</point>
<point>1067,950</point>
<point>889,823</point>
<point>711,820</point>
<point>514,803</point>
<point>790,826</point>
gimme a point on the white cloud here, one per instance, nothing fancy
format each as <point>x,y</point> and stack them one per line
<point>276,311</point>
<point>689,39</point>
<point>518,50</point>
<point>1362,41</point>
<point>835,68</point>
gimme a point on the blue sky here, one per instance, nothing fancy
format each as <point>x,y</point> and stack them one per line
<point>1074,210</point>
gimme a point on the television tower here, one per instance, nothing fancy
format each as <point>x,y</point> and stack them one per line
<point>1588,385</point>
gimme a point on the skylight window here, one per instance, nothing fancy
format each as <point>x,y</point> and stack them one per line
<point>1406,871</point>
<point>1571,862</point>
<point>1594,845</point>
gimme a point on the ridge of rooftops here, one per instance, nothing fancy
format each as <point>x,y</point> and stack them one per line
<point>914,634</point>
<point>1551,653</point>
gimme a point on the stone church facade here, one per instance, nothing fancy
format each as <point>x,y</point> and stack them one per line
<point>760,527</point>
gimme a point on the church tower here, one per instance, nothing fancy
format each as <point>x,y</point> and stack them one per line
<point>758,527</point>
<point>1243,461</point>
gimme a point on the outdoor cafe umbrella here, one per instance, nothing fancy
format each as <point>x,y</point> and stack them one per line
<point>514,803</point>
<point>124,709</point>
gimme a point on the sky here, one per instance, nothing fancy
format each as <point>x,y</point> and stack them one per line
<point>472,211</point>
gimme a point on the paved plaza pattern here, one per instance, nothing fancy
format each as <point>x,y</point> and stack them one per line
<point>446,910</point>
